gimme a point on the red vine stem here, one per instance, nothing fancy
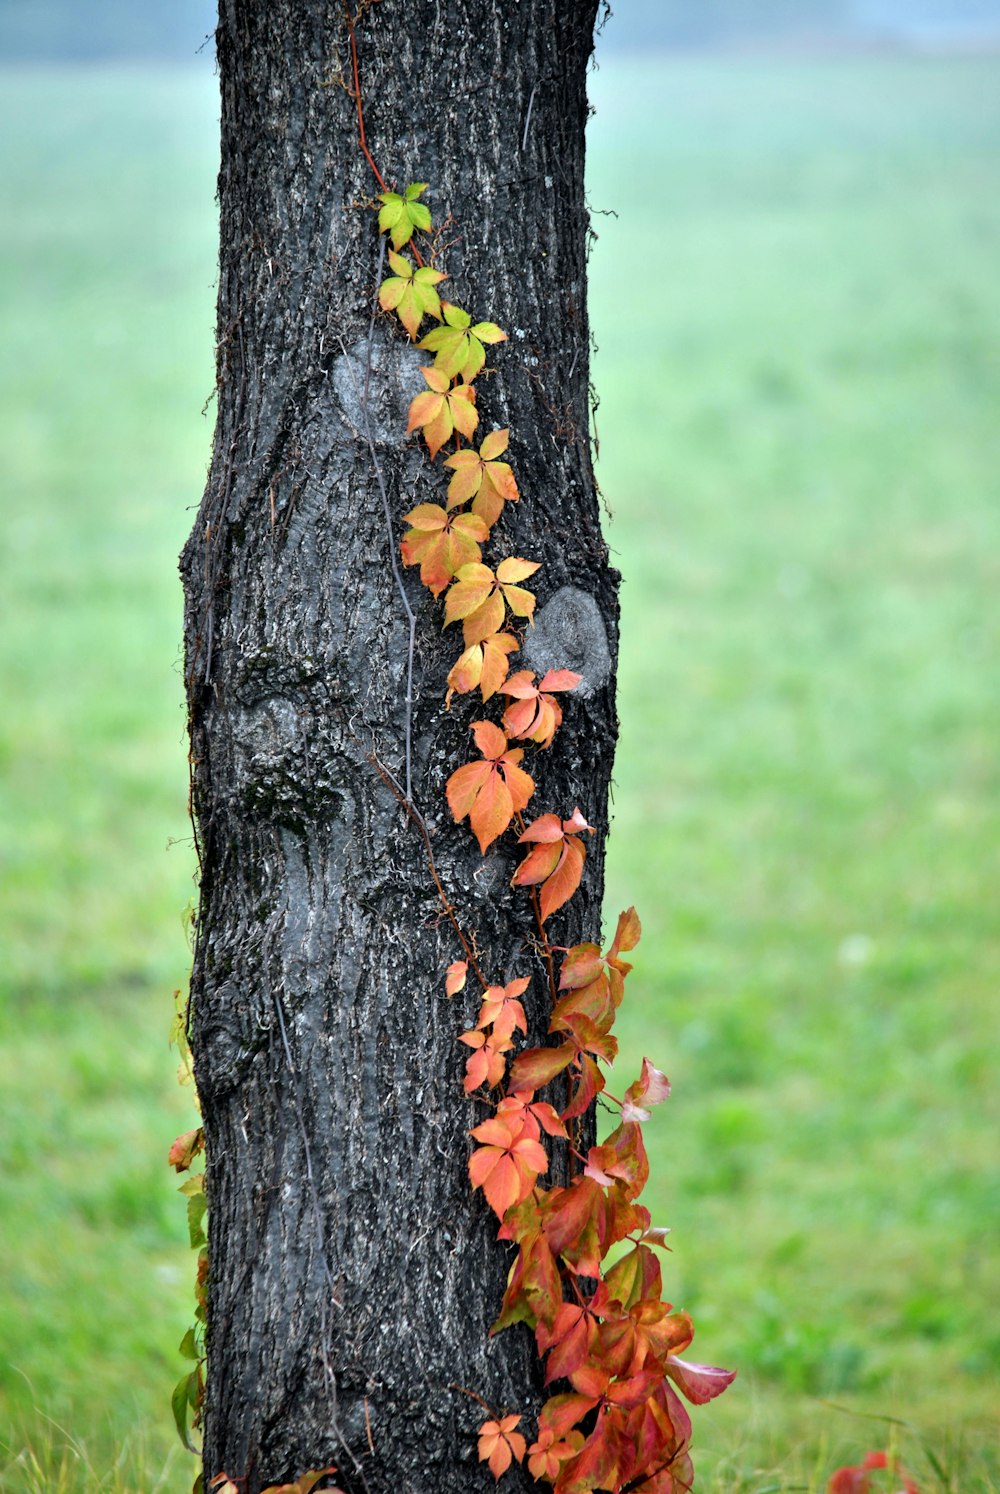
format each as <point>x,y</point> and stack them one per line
<point>357,99</point>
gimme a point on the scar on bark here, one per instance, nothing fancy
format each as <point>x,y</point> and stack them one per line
<point>569,633</point>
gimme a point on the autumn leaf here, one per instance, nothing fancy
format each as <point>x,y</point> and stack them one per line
<point>499,1443</point>
<point>491,792</point>
<point>506,1164</point>
<point>622,1158</point>
<point>410,293</point>
<point>487,1064</point>
<point>577,1222</point>
<point>556,860</point>
<point>536,1067</point>
<point>569,1338</point>
<point>441,410</point>
<point>595,982</point>
<point>534,1286</point>
<point>589,1084</point>
<point>454,979</point>
<point>537,1115</point>
<point>533,713</point>
<point>480,597</point>
<point>440,543</point>
<point>479,476</point>
<point>634,1276</point>
<point>304,1484</point>
<point>458,344</point>
<point>186,1148</point>
<point>649,1089</point>
<point>502,1010</point>
<point>700,1383</point>
<point>547,1455</point>
<point>400,215</point>
<point>485,664</point>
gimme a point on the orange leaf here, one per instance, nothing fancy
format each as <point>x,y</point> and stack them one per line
<point>556,860</point>
<point>441,410</point>
<point>455,977</point>
<point>507,1164</point>
<point>484,664</point>
<point>479,476</point>
<point>499,1443</point>
<point>440,543</point>
<point>489,793</point>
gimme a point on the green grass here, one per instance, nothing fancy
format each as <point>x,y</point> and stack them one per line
<point>802,460</point>
<point>798,313</point>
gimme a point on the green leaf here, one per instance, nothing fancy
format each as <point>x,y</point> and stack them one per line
<point>410,293</point>
<point>182,1403</point>
<point>196,1214</point>
<point>189,1346</point>
<point>458,348</point>
<point>489,332</point>
<point>399,216</point>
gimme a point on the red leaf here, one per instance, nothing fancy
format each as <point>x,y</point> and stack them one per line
<point>536,1067</point>
<point>649,1089</point>
<point>699,1382</point>
<point>563,1412</point>
<point>556,859</point>
<point>558,888</point>
<point>185,1149</point>
<point>507,1166</point>
<point>534,1289</point>
<point>588,1087</point>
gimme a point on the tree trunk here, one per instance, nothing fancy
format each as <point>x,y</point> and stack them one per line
<point>353,1275</point>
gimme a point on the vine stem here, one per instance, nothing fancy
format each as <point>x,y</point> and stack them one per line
<point>357,98</point>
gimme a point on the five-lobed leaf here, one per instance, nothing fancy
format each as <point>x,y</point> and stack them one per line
<point>555,860</point>
<point>534,713</point>
<point>484,664</point>
<point>507,1162</point>
<point>480,598</point>
<point>400,215</point>
<point>490,792</point>
<point>441,410</point>
<point>480,476</point>
<point>410,292</point>
<point>458,345</point>
<point>499,1443</point>
<point>441,543</point>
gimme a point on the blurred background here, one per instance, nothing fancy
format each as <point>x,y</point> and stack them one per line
<point>796,299</point>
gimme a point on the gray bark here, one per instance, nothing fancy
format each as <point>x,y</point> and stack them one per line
<point>353,1276</point>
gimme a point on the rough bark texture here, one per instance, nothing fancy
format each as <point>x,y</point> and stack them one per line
<point>345,1245</point>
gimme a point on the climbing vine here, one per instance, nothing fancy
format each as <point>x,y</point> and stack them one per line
<point>611,1344</point>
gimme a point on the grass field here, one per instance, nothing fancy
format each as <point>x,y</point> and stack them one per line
<point>798,312</point>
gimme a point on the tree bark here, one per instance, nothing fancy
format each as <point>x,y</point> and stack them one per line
<point>353,1275</point>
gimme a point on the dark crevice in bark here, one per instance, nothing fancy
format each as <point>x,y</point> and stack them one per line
<point>318,915</point>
